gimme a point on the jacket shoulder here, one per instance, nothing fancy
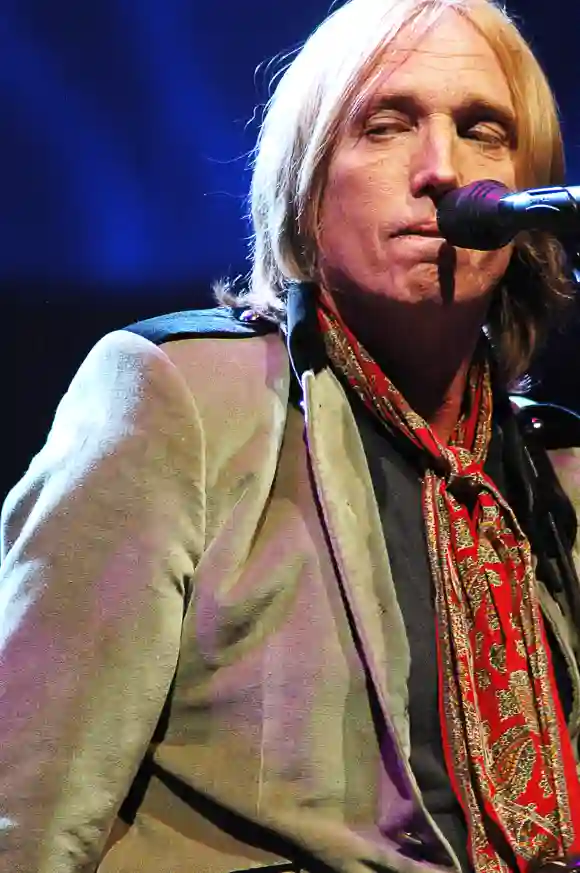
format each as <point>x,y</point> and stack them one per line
<point>219,322</point>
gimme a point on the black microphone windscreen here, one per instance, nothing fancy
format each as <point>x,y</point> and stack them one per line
<point>470,218</point>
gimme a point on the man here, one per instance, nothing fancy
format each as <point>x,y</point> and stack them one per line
<point>269,594</point>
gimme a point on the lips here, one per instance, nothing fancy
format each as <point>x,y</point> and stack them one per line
<point>431,230</point>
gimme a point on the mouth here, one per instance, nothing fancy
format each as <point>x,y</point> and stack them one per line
<point>426,230</point>
<point>424,244</point>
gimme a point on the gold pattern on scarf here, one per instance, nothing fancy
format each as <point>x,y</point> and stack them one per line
<point>518,698</point>
<point>544,784</point>
<point>463,535</point>
<point>486,553</point>
<point>492,616</point>
<point>497,657</point>
<point>515,757</point>
<point>483,679</point>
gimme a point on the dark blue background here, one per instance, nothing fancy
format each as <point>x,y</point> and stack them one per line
<point>126,128</point>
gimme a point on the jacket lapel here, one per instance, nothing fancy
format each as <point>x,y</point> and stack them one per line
<point>351,516</point>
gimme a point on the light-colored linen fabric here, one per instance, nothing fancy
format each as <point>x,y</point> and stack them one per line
<point>185,543</point>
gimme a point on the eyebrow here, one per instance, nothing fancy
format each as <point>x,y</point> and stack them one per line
<point>472,106</point>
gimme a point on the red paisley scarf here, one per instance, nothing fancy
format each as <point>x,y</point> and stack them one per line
<point>506,744</point>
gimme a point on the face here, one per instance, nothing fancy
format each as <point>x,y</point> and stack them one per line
<point>439,117</point>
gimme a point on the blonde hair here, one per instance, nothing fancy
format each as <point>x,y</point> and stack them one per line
<point>321,89</point>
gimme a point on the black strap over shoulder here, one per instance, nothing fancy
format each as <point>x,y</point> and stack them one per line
<point>558,427</point>
<point>221,322</point>
<point>544,509</point>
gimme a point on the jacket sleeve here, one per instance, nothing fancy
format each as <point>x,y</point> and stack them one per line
<point>99,542</point>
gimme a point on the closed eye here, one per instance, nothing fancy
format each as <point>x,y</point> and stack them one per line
<point>487,134</point>
<point>385,125</point>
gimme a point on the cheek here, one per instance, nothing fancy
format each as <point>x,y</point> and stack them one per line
<point>474,164</point>
<point>488,267</point>
<point>357,212</point>
<point>357,191</point>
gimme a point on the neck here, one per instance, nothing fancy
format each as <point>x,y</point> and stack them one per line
<point>425,349</point>
<point>437,397</point>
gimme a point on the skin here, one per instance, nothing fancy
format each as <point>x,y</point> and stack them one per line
<point>439,116</point>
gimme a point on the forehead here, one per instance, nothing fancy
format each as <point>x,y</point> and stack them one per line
<point>452,60</point>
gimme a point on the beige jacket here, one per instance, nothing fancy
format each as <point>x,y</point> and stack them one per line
<point>192,578</point>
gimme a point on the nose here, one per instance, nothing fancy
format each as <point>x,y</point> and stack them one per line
<point>433,166</point>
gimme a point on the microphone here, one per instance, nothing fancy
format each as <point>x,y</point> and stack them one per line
<point>486,215</point>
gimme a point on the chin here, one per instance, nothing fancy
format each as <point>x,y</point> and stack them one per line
<point>417,286</point>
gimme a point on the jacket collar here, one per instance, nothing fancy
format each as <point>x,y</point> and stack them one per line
<point>303,336</point>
